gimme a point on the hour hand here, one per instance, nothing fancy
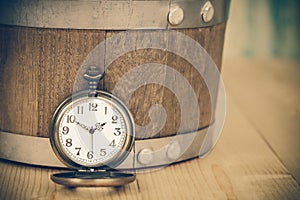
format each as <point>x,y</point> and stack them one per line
<point>99,126</point>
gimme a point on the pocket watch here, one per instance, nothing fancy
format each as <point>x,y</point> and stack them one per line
<point>92,132</point>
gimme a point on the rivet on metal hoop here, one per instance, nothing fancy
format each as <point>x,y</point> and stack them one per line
<point>173,151</point>
<point>145,156</point>
<point>176,15</point>
<point>207,12</point>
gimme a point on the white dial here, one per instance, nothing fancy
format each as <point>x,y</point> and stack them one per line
<point>92,131</point>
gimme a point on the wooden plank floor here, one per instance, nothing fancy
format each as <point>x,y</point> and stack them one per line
<point>269,96</point>
<point>255,158</point>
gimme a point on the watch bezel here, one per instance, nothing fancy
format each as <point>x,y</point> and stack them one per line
<point>59,113</point>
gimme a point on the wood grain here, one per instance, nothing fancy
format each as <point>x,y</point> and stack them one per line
<point>18,81</point>
<point>63,51</point>
<point>273,105</point>
<point>210,38</point>
<point>38,69</point>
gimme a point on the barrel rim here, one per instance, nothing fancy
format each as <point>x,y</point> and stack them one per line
<point>111,14</point>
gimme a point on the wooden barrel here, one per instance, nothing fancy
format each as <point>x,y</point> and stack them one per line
<point>43,45</point>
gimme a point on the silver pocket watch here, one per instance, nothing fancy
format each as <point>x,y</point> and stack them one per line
<point>92,132</point>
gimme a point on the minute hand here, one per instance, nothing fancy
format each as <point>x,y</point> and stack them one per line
<point>82,125</point>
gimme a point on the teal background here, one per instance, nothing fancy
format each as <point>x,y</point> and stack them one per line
<point>263,29</point>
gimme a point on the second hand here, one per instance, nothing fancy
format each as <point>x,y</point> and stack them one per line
<point>92,131</point>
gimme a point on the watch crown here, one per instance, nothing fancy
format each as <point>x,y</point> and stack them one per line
<point>93,75</point>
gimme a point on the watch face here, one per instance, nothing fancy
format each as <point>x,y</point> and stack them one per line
<point>92,131</point>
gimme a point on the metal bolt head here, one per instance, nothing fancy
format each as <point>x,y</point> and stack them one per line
<point>173,151</point>
<point>145,156</point>
<point>207,12</point>
<point>176,15</point>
